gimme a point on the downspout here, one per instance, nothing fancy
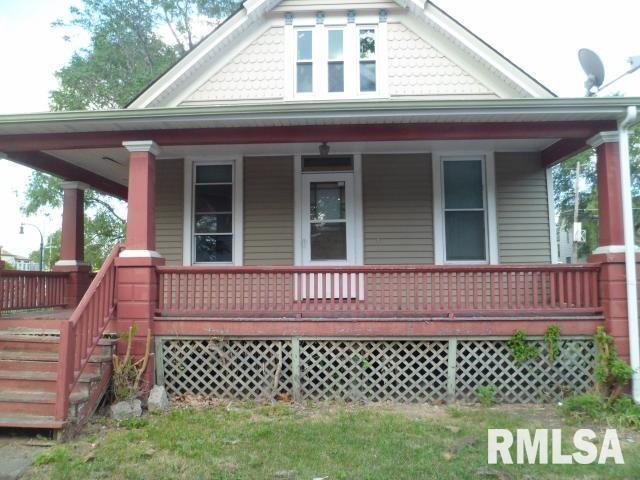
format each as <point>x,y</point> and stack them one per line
<point>630,249</point>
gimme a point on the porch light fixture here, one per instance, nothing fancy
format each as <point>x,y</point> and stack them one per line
<point>324,149</point>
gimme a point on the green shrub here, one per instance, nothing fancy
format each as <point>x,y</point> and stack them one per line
<point>552,339</point>
<point>521,349</point>
<point>623,412</point>
<point>611,372</point>
<point>487,395</point>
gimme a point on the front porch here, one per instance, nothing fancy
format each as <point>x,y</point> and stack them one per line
<point>396,268</point>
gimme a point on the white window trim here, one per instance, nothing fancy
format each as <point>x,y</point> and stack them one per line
<point>553,234</point>
<point>491,227</point>
<point>351,48</point>
<point>189,191</point>
<point>358,221</point>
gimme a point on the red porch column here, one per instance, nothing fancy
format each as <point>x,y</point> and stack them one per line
<point>72,243</point>
<point>610,252</point>
<point>137,279</point>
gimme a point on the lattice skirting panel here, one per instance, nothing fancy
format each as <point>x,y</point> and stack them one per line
<point>415,370</point>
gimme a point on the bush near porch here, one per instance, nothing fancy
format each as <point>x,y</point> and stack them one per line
<point>379,441</point>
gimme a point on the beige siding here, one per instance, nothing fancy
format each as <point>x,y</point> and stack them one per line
<point>416,69</point>
<point>169,209</point>
<point>256,73</point>
<point>522,209</point>
<point>268,211</point>
<point>398,209</point>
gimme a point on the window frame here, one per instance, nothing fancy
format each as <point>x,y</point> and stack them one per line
<point>489,200</point>
<point>359,61</point>
<point>483,175</point>
<point>343,60</point>
<point>312,61</point>
<point>189,213</point>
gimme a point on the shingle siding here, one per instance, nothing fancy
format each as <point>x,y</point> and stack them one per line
<point>398,209</point>
<point>522,209</point>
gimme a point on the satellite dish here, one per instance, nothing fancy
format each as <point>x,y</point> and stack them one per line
<point>593,67</point>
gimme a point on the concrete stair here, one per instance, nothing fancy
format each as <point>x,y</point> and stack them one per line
<point>29,370</point>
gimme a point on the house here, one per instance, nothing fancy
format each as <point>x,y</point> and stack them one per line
<point>18,262</point>
<point>344,200</point>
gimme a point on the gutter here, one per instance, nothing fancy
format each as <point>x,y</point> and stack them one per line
<point>428,109</point>
<point>630,250</point>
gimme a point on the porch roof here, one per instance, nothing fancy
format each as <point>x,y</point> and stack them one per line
<point>81,145</point>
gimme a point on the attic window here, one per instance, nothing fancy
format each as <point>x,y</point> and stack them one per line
<point>304,63</point>
<point>335,57</point>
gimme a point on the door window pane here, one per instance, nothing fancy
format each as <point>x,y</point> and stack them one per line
<point>327,201</point>
<point>329,241</point>
<point>465,237</point>
<point>463,184</point>
<point>213,248</point>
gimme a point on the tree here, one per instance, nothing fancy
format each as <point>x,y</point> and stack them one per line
<point>564,192</point>
<point>127,51</point>
<point>104,227</point>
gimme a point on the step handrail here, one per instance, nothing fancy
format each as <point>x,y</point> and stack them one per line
<point>81,334</point>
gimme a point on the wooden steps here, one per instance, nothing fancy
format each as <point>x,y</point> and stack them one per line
<point>29,374</point>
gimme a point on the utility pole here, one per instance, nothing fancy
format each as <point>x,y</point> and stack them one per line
<point>576,209</point>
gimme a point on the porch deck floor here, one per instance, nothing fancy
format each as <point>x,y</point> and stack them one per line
<point>49,314</point>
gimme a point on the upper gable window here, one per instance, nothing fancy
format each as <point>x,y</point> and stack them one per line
<point>335,66</point>
<point>304,62</point>
<point>335,57</point>
<point>367,60</point>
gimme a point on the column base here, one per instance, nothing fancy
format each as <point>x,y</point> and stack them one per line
<point>78,281</point>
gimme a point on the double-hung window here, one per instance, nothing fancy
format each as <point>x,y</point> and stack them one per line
<point>213,213</point>
<point>304,61</point>
<point>465,213</point>
<point>367,59</point>
<point>335,67</point>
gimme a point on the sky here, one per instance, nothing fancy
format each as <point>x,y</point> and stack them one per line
<point>541,36</point>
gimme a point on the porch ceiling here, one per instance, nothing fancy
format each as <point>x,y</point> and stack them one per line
<point>87,145</point>
<point>112,163</point>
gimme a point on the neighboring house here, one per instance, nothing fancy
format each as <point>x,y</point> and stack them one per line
<point>19,262</point>
<point>336,200</point>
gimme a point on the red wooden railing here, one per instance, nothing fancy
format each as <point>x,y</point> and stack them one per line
<point>80,335</point>
<point>378,290</point>
<point>20,290</point>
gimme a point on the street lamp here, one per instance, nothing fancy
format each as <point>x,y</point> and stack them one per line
<point>22,225</point>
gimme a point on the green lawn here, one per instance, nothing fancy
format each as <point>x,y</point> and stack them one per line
<point>241,441</point>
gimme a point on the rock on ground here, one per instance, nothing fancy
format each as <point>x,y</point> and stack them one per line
<point>126,409</point>
<point>158,401</point>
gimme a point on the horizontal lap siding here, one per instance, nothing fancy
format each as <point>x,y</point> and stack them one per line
<point>170,209</point>
<point>398,209</point>
<point>268,211</point>
<point>522,209</point>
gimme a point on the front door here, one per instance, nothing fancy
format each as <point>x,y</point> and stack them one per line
<point>328,219</point>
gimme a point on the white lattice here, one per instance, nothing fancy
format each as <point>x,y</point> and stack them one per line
<point>408,371</point>
<point>490,363</point>
<point>371,370</point>
<point>234,369</point>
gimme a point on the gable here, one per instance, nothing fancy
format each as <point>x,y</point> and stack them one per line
<point>416,68</point>
<point>256,73</point>
<point>419,53</point>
